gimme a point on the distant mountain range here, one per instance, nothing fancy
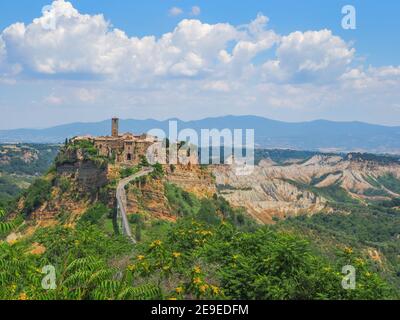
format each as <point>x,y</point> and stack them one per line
<point>321,135</point>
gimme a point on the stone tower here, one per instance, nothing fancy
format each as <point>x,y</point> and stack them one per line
<point>115,125</point>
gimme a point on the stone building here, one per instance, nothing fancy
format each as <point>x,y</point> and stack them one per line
<point>128,149</point>
<point>125,148</point>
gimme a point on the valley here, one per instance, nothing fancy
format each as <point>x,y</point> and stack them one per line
<point>20,165</point>
<point>308,186</point>
<point>197,229</point>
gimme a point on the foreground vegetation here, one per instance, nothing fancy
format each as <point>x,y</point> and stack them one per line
<point>373,229</point>
<point>188,260</point>
<point>212,252</point>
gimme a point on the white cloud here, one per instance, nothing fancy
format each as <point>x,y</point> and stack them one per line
<point>196,11</point>
<point>309,57</point>
<point>248,66</point>
<point>2,52</point>
<point>175,11</point>
<point>87,45</point>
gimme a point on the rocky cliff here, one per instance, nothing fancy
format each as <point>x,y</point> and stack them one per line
<point>307,187</point>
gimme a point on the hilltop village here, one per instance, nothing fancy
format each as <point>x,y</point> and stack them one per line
<point>128,148</point>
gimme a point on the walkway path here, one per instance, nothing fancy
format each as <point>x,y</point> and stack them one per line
<point>122,201</point>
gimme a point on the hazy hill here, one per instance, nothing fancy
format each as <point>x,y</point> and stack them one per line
<point>316,135</point>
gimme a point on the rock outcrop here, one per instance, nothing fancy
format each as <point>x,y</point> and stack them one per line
<point>277,191</point>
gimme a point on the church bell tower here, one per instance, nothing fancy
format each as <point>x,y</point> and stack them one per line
<point>114,129</point>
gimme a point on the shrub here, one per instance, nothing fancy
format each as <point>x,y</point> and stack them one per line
<point>95,214</point>
<point>36,195</point>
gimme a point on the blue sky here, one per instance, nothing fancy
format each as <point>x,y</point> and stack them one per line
<point>274,84</point>
<point>378,21</point>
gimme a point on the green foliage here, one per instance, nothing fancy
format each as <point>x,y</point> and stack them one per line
<point>20,165</point>
<point>283,156</point>
<point>80,278</point>
<point>374,226</point>
<point>9,188</point>
<point>211,211</point>
<point>65,184</point>
<point>5,226</point>
<point>15,163</point>
<point>182,202</point>
<point>36,195</point>
<point>376,193</point>
<point>281,266</point>
<point>390,182</point>
<point>333,193</point>
<point>95,215</point>
<point>218,262</point>
<point>86,146</point>
<point>317,180</point>
<point>128,171</point>
<point>194,258</point>
<point>208,212</point>
<point>144,162</point>
<point>376,158</point>
<point>88,151</point>
<point>158,171</point>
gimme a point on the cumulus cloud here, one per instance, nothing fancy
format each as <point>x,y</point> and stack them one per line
<point>310,56</point>
<point>87,45</point>
<point>250,65</point>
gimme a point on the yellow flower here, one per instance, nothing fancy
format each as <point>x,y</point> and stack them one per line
<point>348,250</point>
<point>203,288</point>
<point>176,254</point>
<point>156,243</point>
<point>140,258</point>
<point>179,290</point>
<point>172,299</point>
<point>197,270</point>
<point>215,289</point>
<point>132,267</point>
<point>197,280</point>
<point>23,296</point>
<point>360,261</point>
